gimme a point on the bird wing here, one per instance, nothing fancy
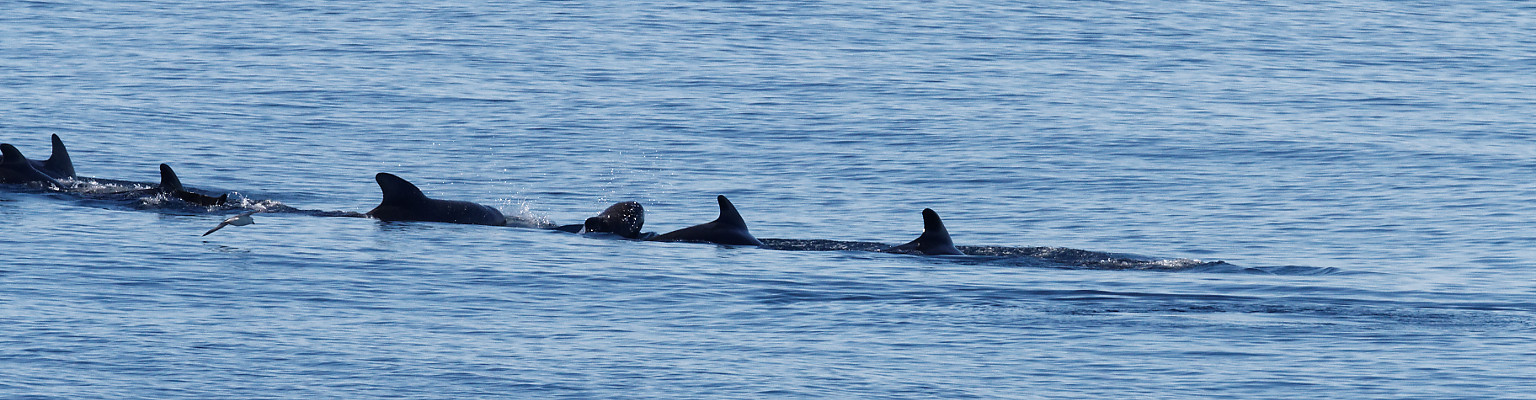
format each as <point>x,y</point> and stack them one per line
<point>221,226</point>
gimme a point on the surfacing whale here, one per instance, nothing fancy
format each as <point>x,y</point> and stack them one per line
<point>16,168</point>
<point>403,201</point>
<point>934,241</point>
<point>727,229</point>
<point>170,185</point>
<point>57,166</point>
<point>622,218</point>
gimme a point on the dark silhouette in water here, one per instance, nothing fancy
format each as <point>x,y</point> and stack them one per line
<point>16,168</point>
<point>58,164</point>
<point>403,201</point>
<point>729,229</point>
<point>170,184</point>
<point>934,241</point>
<point>624,219</point>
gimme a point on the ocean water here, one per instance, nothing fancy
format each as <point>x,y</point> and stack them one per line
<point>1360,169</point>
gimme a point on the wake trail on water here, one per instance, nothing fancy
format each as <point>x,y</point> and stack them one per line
<point>1054,257</point>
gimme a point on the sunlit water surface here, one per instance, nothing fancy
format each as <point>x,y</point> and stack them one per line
<point>1362,168</point>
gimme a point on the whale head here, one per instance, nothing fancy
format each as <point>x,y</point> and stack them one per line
<point>623,219</point>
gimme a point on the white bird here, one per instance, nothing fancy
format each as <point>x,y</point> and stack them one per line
<point>239,220</point>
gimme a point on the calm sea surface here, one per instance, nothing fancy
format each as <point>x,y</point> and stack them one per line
<point>1365,167</point>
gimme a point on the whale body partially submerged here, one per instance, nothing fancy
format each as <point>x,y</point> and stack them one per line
<point>624,218</point>
<point>729,228</point>
<point>403,201</point>
<point>934,241</point>
<point>16,168</point>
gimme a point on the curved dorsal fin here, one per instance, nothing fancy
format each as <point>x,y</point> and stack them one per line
<point>397,190</point>
<point>934,241</point>
<point>935,238</point>
<point>168,180</point>
<point>59,161</point>
<point>17,169</point>
<point>728,214</point>
<point>10,155</point>
<point>933,227</point>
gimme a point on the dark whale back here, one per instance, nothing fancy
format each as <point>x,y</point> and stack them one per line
<point>170,184</point>
<point>403,201</point>
<point>934,241</point>
<point>729,228</point>
<point>16,168</point>
<point>623,219</point>
<point>57,166</point>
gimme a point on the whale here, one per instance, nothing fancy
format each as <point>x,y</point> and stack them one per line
<point>171,184</point>
<point>16,168</point>
<point>727,229</point>
<point>934,241</point>
<point>57,165</point>
<point>624,218</point>
<point>403,201</point>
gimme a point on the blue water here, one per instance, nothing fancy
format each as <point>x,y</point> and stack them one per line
<point>1362,168</point>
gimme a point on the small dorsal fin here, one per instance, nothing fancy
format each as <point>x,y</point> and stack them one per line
<point>10,155</point>
<point>168,180</point>
<point>397,190</point>
<point>59,162</point>
<point>728,214</point>
<point>934,241</point>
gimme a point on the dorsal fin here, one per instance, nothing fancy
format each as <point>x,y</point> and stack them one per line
<point>59,161</point>
<point>17,169</point>
<point>10,155</point>
<point>934,226</point>
<point>728,215</point>
<point>397,190</point>
<point>168,180</point>
<point>934,241</point>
